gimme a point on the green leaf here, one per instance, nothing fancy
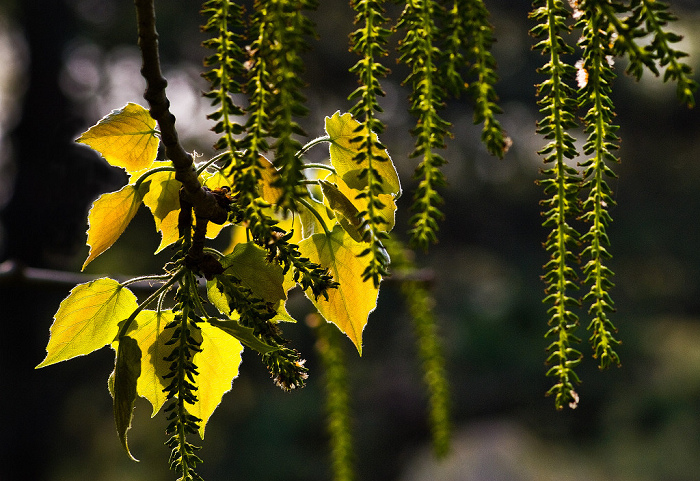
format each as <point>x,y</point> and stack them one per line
<point>125,138</point>
<point>342,129</point>
<point>127,369</point>
<point>88,319</point>
<point>349,305</point>
<point>248,262</point>
<point>217,364</point>
<point>345,211</point>
<point>388,211</point>
<point>108,218</point>
<point>216,292</point>
<point>310,224</point>
<point>243,334</point>
<point>147,331</point>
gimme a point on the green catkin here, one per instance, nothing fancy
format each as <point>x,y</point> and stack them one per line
<point>561,186</point>
<point>369,42</point>
<point>420,302</point>
<point>337,390</point>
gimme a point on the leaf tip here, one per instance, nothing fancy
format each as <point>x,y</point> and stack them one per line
<point>43,363</point>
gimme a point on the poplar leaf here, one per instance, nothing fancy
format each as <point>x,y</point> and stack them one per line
<point>249,264</point>
<point>216,292</point>
<point>88,319</point>
<point>127,369</point>
<point>147,331</point>
<point>163,199</point>
<point>214,181</point>
<point>125,138</point>
<point>267,184</point>
<point>350,304</point>
<point>109,216</point>
<point>342,129</point>
<point>345,211</point>
<point>388,212</point>
<point>309,222</point>
<point>217,365</point>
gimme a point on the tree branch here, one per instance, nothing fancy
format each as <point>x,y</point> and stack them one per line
<point>14,273</point>
<point>204,203</point>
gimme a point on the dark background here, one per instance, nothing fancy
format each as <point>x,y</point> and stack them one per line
<point>66,63</point>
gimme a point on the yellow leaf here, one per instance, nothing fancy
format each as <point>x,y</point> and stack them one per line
<point>88,319</point>
<point>108,218</point>
<point>342,129</point>
<point>147,331</point>
<point>310,224</point>
<point>349,305</point>
<point>389,201</point>
<point>268,191</point>
<point>214,181</point>
<point>163,199</point>
<point>217,365</point>
<point>125,138</point>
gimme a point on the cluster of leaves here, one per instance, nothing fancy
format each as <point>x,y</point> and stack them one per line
<point>187,355</point>
<point>608,29</point>
<point>328,232</point>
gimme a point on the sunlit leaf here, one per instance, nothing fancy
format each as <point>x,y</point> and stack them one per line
<point>109,216</point>
<point>217,365</point>
<point>147,331</point>
<point>88,319</point>
<point>310,224</point>
<point>127,369</point>
<point>348,306</point>
<point>125,138</point>
<point>220,299</point>
<point>388,212</point>
<point>268,190</point>
<point>163,199</point>
<point>248,263</point>
<point>342,129</point>
<point>345,211</point>
<point>214,181</point>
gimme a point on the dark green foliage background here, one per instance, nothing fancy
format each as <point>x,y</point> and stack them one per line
<point>640,422</point>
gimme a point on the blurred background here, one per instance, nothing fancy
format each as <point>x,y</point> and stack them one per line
<point>66,63</point>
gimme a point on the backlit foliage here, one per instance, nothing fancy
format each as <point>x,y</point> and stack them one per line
<point>328,231</point>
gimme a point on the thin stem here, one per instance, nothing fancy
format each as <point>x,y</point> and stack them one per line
<point>201,168</point>
<point>133,280</point>
<point>143,177</point>
<point>311,143</point>
<point>161,290</point>
<point>306,204</point>
<point>319,166</point>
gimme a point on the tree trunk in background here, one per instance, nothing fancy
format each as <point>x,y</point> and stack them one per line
<point>56,179</point>
<point>44,224</point>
